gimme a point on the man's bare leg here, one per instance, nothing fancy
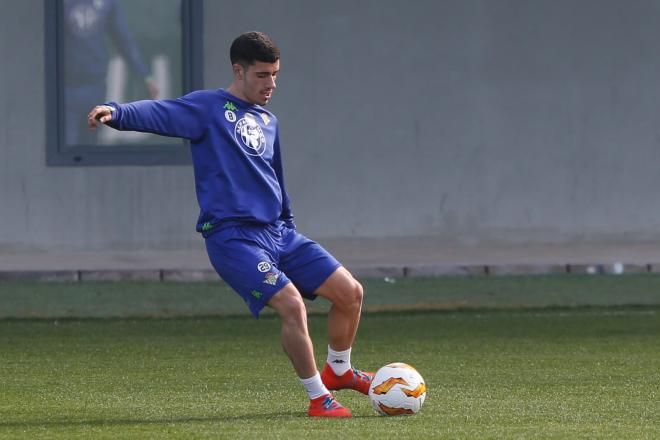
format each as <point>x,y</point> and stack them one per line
<point>298,346</point>
<point>345,293</point>
<point>295,337</point>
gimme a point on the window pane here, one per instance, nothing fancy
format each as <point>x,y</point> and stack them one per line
<point>118,50</point>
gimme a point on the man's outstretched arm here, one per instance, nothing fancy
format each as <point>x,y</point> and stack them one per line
<point>184,117</point>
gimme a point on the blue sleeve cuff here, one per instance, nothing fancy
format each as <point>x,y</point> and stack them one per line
<point>116,114</point>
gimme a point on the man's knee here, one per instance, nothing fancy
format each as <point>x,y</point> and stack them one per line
<point>348,294</point>
<point>357,293</point>
<point>288,303</point>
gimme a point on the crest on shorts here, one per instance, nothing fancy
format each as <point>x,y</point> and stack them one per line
<point>271,278</point>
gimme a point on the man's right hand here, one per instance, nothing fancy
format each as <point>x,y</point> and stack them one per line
<point>100,114</point>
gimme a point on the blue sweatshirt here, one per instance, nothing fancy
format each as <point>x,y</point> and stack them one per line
<point>235,151</point>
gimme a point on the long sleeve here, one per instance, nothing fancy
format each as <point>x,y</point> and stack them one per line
<point>287,213</point>
<point>186,117</point>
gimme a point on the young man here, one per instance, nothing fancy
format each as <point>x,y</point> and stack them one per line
<point>245,214</point>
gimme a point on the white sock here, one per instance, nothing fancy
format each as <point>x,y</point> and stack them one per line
<point>339,361</point>
<point>314,386</point>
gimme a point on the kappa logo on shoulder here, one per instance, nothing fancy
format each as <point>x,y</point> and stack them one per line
<point>230,106</point>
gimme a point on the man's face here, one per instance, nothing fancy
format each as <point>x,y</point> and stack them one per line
<point>258,81</point>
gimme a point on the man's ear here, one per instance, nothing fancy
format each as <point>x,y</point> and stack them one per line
<point>239,73</point>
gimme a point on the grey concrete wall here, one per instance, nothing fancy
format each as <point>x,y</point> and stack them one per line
<point>474,121</point>
<point>66,207</point>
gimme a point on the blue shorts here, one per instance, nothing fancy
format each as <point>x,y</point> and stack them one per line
<point>257,261</point>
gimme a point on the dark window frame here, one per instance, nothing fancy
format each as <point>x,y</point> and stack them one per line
<point>58,154</point>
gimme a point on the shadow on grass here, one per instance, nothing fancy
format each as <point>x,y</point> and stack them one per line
<point>163,421</point>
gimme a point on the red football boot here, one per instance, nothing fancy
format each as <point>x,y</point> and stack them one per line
<point>353,379</point>
<point>327,406</point>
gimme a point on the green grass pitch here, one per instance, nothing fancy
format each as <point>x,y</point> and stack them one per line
<point>554,373</point>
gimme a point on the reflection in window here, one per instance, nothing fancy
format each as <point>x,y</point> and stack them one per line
<point>118,50</point>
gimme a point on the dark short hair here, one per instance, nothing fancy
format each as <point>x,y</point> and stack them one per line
<point>251,47</point>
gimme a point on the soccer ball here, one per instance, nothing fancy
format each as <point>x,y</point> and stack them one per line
<point>397,389</point>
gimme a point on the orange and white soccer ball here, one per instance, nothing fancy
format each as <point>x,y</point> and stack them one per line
<point>397,389</point>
